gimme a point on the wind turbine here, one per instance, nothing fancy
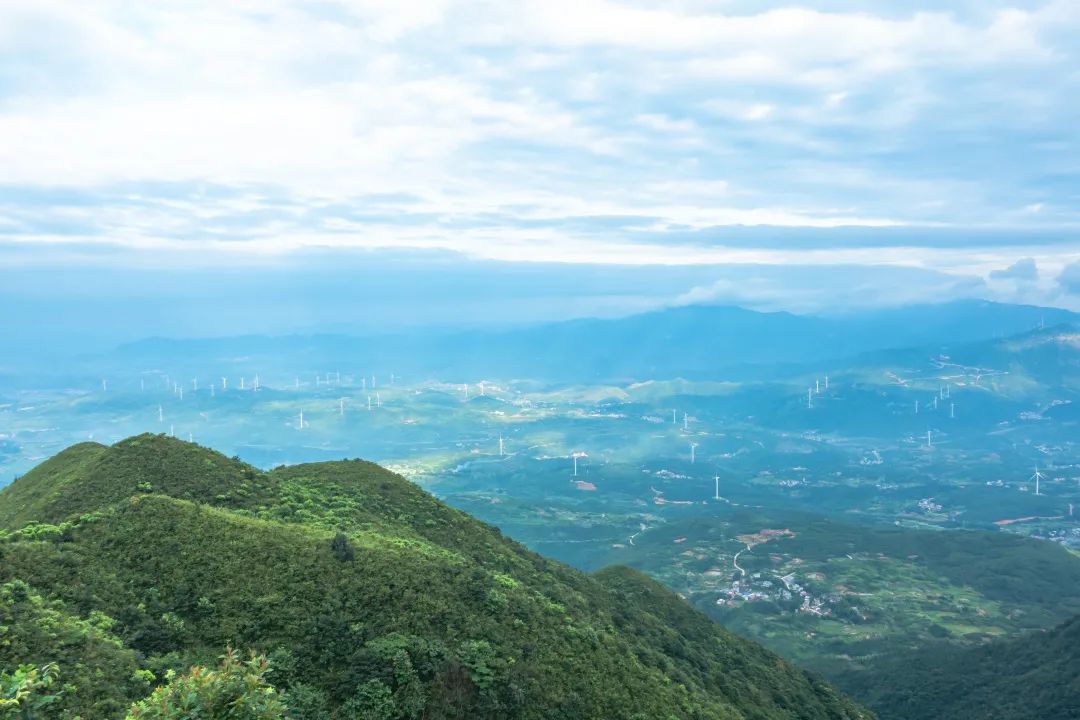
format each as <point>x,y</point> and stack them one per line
<point>160,414</point>
<point>341,406</point>
<point>241,383</point>
<point>255,386</point>
<point>674,417</point>
<point>302,423</point>
<point>194,385</point>
<point>378,400</point>
<point>224,384</point>
<point>817,386</point>
<point>501,446</point>
<point>368,402</point>
<point>1036,477</point>
<point>693,446</point>
<point>575,456</point>
<point>952,410</point>
<point>466,387</point>
<point>809,398</point>
<point>826,382</point>
<point>916,407</point>
<point>685,422</point>
<point>928,443</point>
<point>716,478</point>
<point>482,390</point>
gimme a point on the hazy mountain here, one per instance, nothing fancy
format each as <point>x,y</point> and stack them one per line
<point>691,341</point>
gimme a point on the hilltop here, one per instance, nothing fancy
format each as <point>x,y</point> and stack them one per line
<point>359,586</point>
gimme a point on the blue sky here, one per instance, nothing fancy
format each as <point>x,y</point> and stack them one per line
<point>781,156</point>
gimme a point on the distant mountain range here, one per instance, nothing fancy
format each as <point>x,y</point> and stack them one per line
<point>696,341</point>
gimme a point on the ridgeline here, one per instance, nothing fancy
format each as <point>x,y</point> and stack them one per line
<point>126,565</point>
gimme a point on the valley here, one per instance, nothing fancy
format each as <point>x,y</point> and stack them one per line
<point>836,513</point>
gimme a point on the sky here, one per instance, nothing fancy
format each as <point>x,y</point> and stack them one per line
<point>538,158</point>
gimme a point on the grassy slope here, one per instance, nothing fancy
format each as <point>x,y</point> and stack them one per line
<point>517,635</point>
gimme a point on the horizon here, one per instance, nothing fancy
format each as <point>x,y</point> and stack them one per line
<point>801,158</point>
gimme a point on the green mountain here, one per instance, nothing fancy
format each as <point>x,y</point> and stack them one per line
<point>126,564</point>
<point>1029,678</point>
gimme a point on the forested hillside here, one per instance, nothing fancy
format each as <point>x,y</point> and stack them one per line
<point>127,565</point>
<point>1035,677</point>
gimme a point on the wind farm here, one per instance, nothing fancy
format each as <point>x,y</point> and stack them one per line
<point>834,473</point>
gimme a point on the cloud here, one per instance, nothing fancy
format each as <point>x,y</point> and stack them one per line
<point>1069,279</point>
<point>830,288</point>
<point>1022,271</point>
<point>573,131</point>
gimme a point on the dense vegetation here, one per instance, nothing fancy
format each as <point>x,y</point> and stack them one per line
<point>128,565</point>
<point>1031,678</point>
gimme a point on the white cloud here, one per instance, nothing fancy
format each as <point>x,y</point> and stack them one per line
<point>498,127</point>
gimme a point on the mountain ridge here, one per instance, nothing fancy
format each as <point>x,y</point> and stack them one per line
<point>336,585</point>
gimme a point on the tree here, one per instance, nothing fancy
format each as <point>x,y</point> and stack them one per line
<point>22,694</point>
<point>237,690</point>
<point>341,547</point>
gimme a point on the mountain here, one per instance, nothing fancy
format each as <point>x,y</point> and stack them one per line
<point>124,563</point>
<point>1030,678</point>
<point>692,341</point>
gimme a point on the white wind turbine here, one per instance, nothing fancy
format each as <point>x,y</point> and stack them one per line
<point>716,478</point>
<point>575,456</point>
<point>693,447</point>
<point>1036,477</point>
